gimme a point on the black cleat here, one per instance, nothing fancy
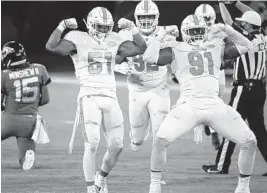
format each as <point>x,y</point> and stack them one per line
<point>265,174</point>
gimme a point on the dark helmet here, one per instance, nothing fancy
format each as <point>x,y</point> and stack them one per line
<point>13,55</point>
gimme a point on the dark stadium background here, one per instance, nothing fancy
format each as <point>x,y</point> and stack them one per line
<point>31,23</point>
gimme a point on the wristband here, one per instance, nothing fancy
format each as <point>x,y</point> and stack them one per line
<point>61,26</point>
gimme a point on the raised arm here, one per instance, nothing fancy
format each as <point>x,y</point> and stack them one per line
<point>157,56</point>
<point>227,19</point>
<point>242,7</point>
<point>61,46</point>
<point>131,48</point>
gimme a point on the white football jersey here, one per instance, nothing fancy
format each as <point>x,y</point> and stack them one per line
<point>198,71</point>
<point>94,63</point>
<point>145,76</point>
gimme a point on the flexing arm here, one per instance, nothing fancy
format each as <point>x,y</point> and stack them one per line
<point>235,36</point>
<point>242,7</point>
<point>233,51</point>
<point>44,99</point>
<point>157,56</point>
<point>61,46</point>
<point>131,48</point>
<point>227,19</point>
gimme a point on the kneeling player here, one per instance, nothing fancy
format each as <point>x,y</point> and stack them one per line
<point>23,89</point>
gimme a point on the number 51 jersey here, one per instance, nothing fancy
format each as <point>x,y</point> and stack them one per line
<point>94,63</point>
<point>22,88</point>
<point>197,69</point>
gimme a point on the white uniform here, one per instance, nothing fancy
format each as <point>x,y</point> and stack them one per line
<point>149,96</point>
<point>198,72</point>
<point>94,69</point>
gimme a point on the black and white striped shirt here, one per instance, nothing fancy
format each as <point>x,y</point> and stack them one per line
<point>250,65</point>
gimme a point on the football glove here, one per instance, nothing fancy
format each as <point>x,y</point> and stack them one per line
<point>172,30</point>
<point>124,23</point>
<point>68,23</point>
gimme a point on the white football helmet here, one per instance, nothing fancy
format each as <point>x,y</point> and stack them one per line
<point>207,13</point>
<point>99,23</point>
<point>194,30</point>
<point>146,16</point>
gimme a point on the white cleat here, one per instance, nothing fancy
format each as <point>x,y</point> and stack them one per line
<point>242,189</point>
<point>92,189</point>
<point>155,188</point>
<point>243,185</point>
<point>28,160</point>
<point>102,184</point>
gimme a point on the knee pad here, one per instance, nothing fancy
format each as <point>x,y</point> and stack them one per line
<point>161,142</point>
<point>115,139</point>
<point>92,148</point>
<point>250,140</point>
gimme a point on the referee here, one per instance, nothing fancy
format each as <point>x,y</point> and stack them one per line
<point>248,94</point>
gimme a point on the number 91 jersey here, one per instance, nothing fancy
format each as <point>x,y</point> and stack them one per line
<point>145,76</point>
<point>198,68</point>
<point>94,63</point>
<point>22,88</point>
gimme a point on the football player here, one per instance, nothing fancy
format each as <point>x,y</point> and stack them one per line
<point>196,63</point>
<point>23,90</point>
<point>207,12</point>
<point>93,54</point>
<point>149,95</point>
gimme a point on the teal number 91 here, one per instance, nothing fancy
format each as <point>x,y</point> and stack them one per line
<point>197,62</point>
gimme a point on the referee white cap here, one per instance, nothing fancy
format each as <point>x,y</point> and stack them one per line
<point>251,17</point>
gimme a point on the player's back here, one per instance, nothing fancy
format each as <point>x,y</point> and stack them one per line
<point>22,89</point>
<point>197,68</point>
<point>94,62</point>
<point>145,76</point>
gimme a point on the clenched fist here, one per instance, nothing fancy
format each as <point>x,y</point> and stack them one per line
<point>68,23</point>
<point>125,24</point>
<point>172,30</point>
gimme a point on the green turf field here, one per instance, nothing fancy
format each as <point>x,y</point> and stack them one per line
<point>56,171</point>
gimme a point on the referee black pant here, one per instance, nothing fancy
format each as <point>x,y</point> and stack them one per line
<point>248,99</point>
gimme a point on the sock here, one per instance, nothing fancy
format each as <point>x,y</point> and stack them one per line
<point>89,163</point>
<point>246,158</point>
<point>244,181</point>
<point>159,155</point>
<point>155,177</point>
